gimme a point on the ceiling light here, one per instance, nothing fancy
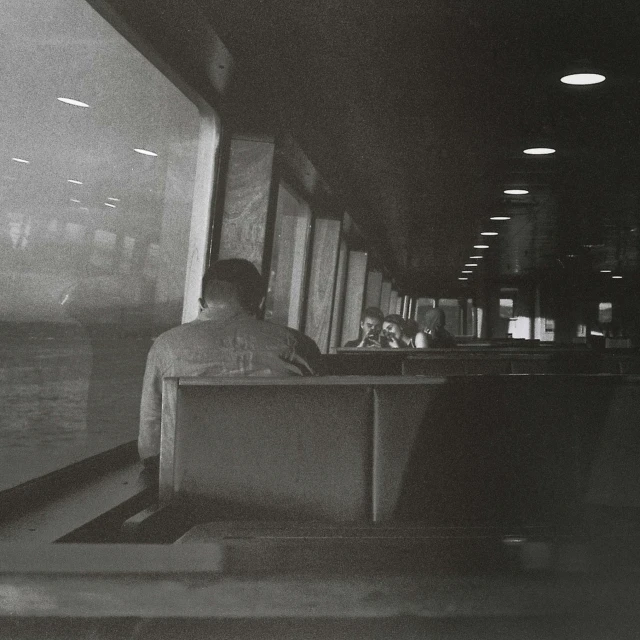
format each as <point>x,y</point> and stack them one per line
<point>108,204</point>
<point>75,103</point>
<point>21,160</point>
<point>583,78</point>
<point>463,278</point>
<point>114,199</point>
<point>480,246</point>
<point>605,270</point>
<point>467,271</point>
<point>500,218</point>
<point>145,152</point>
<point>516,192</point>
<point>489,233</point>
<point>475,257</point>
<point>74,181</point>
<point>617,277</point>
<point>84,208</point>
<point>74,200</point>
<point>539,151</point>
<point>471,264</point>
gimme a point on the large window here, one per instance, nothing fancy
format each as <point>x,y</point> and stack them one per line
<point>98,152</point>
<point>289,259</point>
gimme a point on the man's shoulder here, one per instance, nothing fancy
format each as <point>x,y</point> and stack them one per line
<point>351,343</point>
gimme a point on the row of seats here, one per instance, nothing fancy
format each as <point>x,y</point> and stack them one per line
<point>455,451</point>
<point>471,361</point>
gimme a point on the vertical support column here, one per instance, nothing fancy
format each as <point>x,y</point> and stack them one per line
<point>326,241</point>
<point>393,302</point>
<point>338,298</point>
<point>246,201</point>
<point>374,288</point>
<point>200,229</point>
<point>356,276</point>
<point>385,296</point>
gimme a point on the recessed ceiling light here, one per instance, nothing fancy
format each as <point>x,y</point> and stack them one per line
<point>145,152</point>
<point>466,271</point>
<point>21,160</point>
<point>75,103</point>
<point>74,200</point>
<point>516,192</point>
<point>583,78</point>
<point>114,199</point>
<point>74,181</point>
<point>471,264</point>
<point>605,270</point>
<point>463,278</point>
<point>539,151</point>
<point>108,204</point>
<point>500,218</point>
<point>480,246</point>
<point>617,277</point>
<point>489,233</point>
<point>475,257</point>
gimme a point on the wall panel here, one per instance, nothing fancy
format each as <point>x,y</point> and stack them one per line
<point>326,242</point>
<point>246,200</point>
<point>356,276</point>
<point>374,286</point>
<point>338,298</point>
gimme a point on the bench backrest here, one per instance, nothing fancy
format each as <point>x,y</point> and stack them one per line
<point>455,450</point>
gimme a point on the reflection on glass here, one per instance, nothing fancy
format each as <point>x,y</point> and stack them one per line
<point>289,259</point>
<point>83,289</point>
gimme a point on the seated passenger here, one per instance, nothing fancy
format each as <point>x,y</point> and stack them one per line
<point>435,334</point>
<point>370,327</point>
<point>394,333</point>
<point>227,339</point>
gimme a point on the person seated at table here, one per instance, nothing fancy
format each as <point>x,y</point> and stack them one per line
<point>434,334</point>
<point>394,333</point>
<point>370,327</point>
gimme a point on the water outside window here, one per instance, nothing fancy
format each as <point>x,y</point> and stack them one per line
<point>98,154</point>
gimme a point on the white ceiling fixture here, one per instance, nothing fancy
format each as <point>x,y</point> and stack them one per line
<point>581,79</point>
<point>516,192</point>
<point>539,151</point>
<point>21,160</point>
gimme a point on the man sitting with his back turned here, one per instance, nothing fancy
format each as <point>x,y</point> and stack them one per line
<point>227,339</point>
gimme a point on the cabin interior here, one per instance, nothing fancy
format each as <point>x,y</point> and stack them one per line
<point>483,158</point>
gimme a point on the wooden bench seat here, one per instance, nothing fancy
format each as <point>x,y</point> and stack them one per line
<point>450,451</point>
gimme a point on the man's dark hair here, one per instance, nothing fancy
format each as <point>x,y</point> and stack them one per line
<point>372,312</point>
<point>233,278</point>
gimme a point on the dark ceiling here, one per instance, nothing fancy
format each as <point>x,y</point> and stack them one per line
<point>421,110</point>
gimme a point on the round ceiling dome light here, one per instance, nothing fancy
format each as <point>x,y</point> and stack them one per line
<point>516,192</point>
<point>582,79</point>
<point>539,151</point>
